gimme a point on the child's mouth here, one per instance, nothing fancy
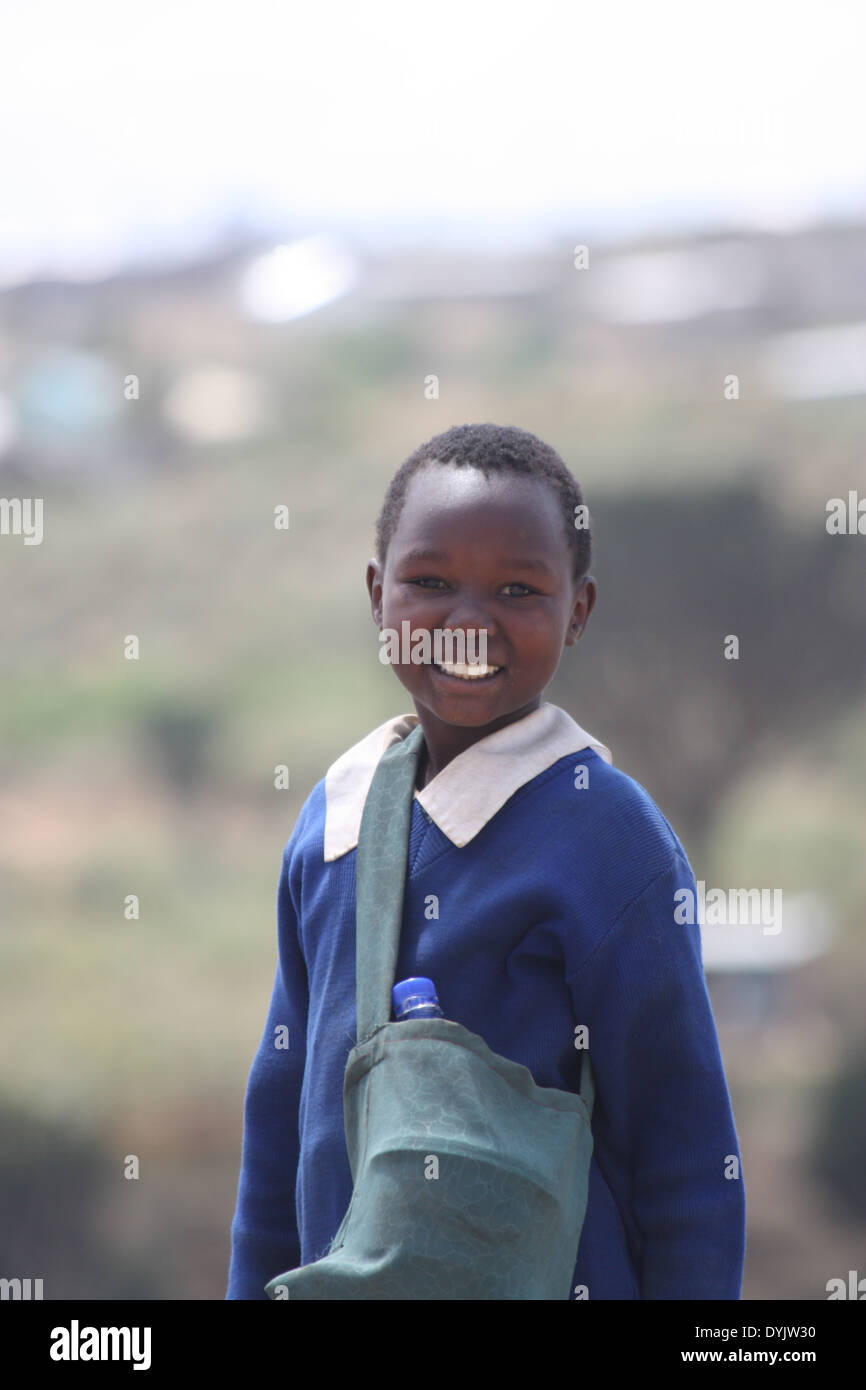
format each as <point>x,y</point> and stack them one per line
<point>466,675</point>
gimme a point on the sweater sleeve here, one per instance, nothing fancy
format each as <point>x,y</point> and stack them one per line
<point>264,1231</point>
<point>663,1112</point>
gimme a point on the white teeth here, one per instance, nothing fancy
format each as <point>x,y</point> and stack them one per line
<point>459,668</point>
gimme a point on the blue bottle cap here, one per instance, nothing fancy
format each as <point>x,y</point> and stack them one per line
<point>416,987</point>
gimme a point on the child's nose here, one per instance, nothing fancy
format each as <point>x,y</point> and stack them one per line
<point>470,613</point>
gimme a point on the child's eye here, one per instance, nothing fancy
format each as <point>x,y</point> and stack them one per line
<point>426,581</point>
<point>517,585</point>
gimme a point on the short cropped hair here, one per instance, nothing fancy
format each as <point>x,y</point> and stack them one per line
<point>493,449</point>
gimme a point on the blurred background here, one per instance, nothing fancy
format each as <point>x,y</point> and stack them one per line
<point>251,257</point>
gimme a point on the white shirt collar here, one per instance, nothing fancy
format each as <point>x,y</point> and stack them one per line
<point>469,790</point>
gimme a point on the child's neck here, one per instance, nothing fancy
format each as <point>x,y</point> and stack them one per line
<point>444,743</point>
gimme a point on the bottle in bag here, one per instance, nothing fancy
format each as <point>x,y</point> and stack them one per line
<point>415,998</point>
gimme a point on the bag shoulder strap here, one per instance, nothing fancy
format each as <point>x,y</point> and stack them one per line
<point>380,879</point>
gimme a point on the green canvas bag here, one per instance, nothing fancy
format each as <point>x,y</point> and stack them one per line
<point>470,1181</point>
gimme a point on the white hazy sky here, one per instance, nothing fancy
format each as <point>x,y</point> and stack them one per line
<point>128,132</point>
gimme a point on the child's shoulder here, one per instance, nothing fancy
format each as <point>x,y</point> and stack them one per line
<point>586,801</point>
<point>610,786</point>
<point>613,789</point>
<point>330,817</point>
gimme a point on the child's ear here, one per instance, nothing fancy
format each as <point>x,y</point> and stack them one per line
<point>584,603</point>
<point>374,589</point>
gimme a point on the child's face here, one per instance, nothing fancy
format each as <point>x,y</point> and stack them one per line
<point>475,552</point>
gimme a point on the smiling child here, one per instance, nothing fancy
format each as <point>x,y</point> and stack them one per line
<point>553,877</point>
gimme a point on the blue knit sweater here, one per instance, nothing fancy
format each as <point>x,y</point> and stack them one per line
<point>558,912</point>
